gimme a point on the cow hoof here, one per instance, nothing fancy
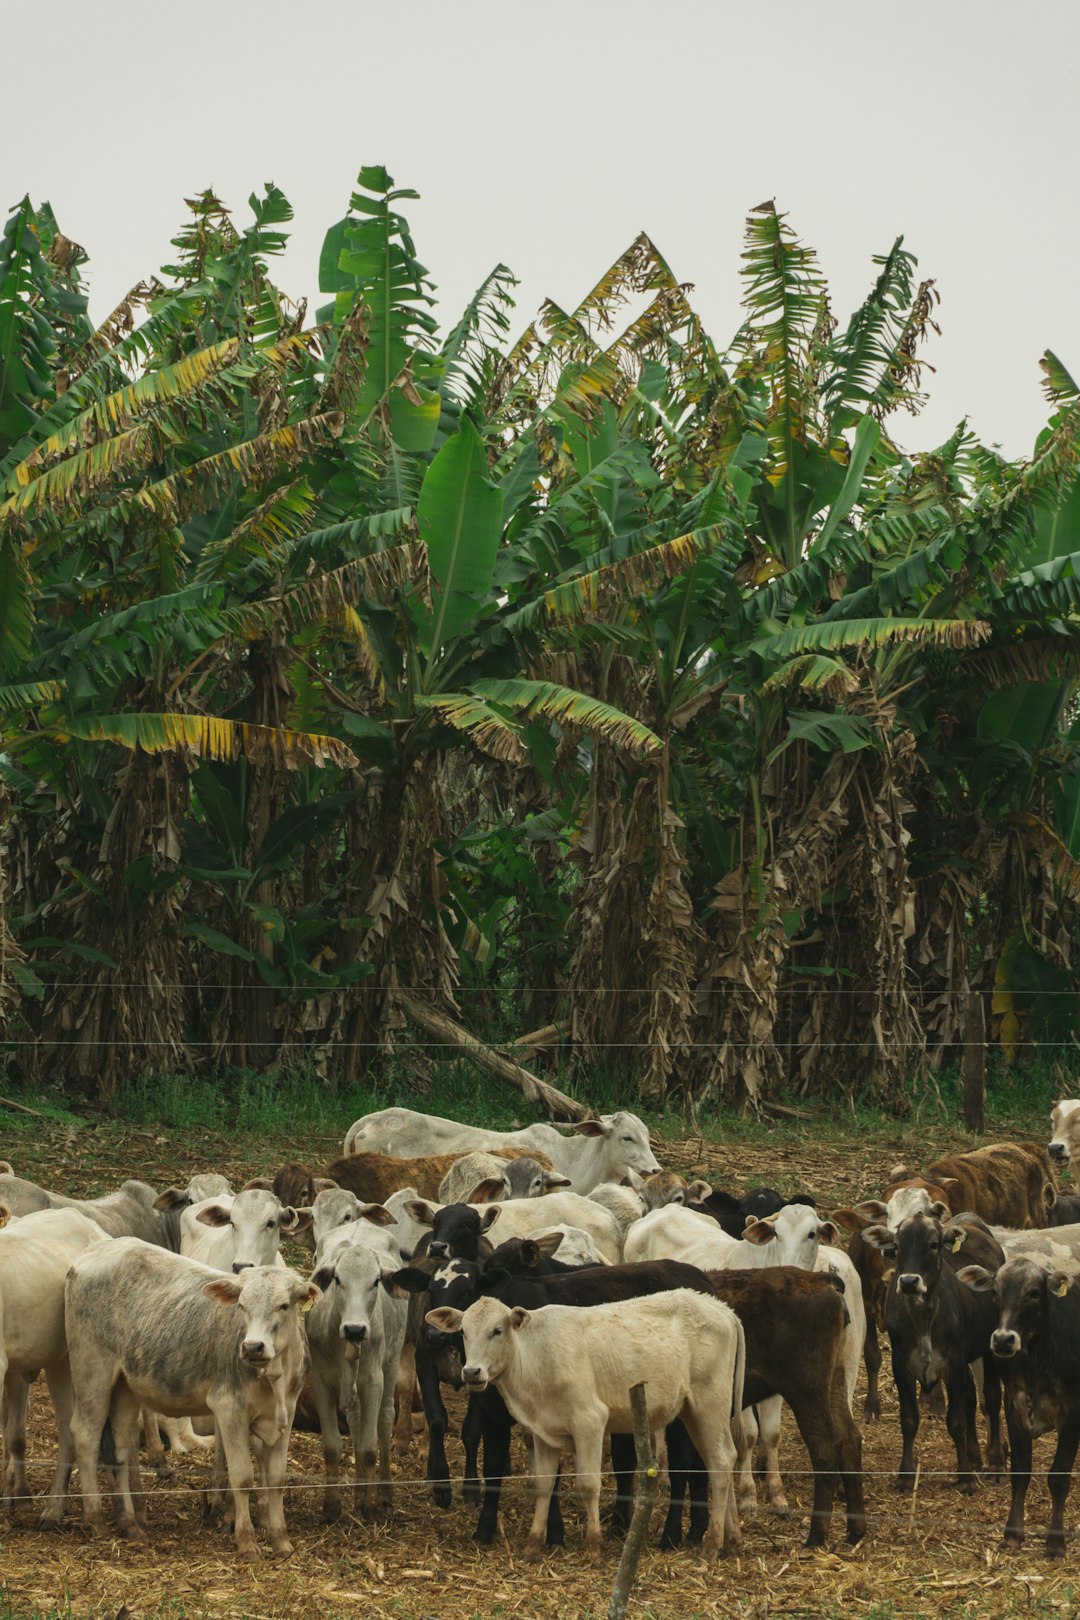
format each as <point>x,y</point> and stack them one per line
<point>532,1554</point>
<point>904,1483</point>
<point>470,1492</point>
<point>249,1552</point>
<point>443,1495</point>
<point>591,1555</point>
<point>670,1540</point>
<point>47,1523</point>
<point>780,1512</point>
<point>283,1549</point>
<point>871,1414</point>
<point>967,1487</point>
<point>1011,1545</point>
<point>331,1515</point>
<point>132,1532</point>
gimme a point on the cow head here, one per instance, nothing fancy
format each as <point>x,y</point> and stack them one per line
<point>258,1220</point>
<point>916,1246</point>
<point>1025,1293</point>
<point>268,1299</point>
<point>456,1229</point>
<point>624,1145</point>
<point>488,1329</point>
<point>356,1275</point>
<point>1064,1131</point>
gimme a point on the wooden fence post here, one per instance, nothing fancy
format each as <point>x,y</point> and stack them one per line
<point>644,1501</point>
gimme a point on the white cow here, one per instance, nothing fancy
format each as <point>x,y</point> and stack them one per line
<point>131,1211</point>
<point>565,1375</point>
<point>356,1333</point>
<point>625,1203</point>
<point>150,1328</point>
<point>669,1232</point>
<point>230,1233</point>
<point>603,1149</point>
<point>35,1253</point>
<point>336,1208</point>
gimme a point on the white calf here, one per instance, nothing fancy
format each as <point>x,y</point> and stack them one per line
<point>231,1234</point>
<point>146,1327</point>
<point>565,1375</point>
<point>356,1333</point>
<point>520,1217</point>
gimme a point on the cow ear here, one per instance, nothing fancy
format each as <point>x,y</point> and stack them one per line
<point>6,1168</point>
<point>632,1179</point>
<point>902,1172</point>
<point>226,1290</point>
<point>305,1294</point>
<point>172,1198</point>
<point>948,1181</point>
<point>489,1217</point>
<point>939,1210</point>
<point>552,1178</point>
<point>547,1242</point>
<point>803,1198</point>
<point>828,1232</point>
<point>422,1211</point>
<point>592,1127</point>
<point>445,1319</point>
<point>1050,1194</point>
<point>378,1215</point>
<point>530,1253</point>
<point>698,1191</point>
<point>976,1277</point>
<point>489,1191</point>
<point>879,1237</point>
<point>5,1214</point>
<point>410,1280</point>
<point>954,1237</point>
<point>258,1184</point>
<point>1058,1284</point>
<point>295,1220</point>
<point>323,1277</point>
<point>214,1215</point>
<point>869,1210</point>
<point>848,1219</point>
<point>323,1184</point>
<point>758,1232</point>
<point>519,1316</point>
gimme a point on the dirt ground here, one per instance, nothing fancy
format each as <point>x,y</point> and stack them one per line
<point>934,1554</point>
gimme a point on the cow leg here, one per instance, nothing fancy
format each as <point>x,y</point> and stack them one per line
<point>713,1439</point>
<point>747,1488</point>
<point>588,1461</point>
<point>1019,1470</point>
<point>362,1416</point>
<point>386,1431</point>
<point>155,1448</point>
<point>623,1462</point>
<point>769,1415</point>
<point>959,1419</point>
<point>124,1416</point>
<point>472,1430</point>
<point>59,1382</point>
<point>872,1358</point>
<point>909,1420</point>
<point>236,1443</point>
<point>545,1468</point>
<point>435,1412</point>
<point>991,1405</point>
<point>93,1396</point>
<point>850,1457</point>
<point>403,1400</point>
<point>1059,1481</point>
<point>495,1430</point>
<point>680,1455</point>
<point>273,1463</point>
<point>16,1401</point>
<point>324,1393</point>
<point>818,1427</point>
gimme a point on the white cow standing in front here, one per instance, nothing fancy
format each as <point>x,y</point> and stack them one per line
<point>565,1375</point>
<point>603,1149</point>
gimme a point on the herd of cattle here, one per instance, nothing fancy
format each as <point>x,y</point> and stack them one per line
<point>175,1316</point>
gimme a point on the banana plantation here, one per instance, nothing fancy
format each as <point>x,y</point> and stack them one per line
<point>605,684</point>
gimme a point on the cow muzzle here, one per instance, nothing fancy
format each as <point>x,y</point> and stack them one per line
<point>1058,1152</point>
<point>438,1251</point>
<point>1004,1342</point>
<point>473,1379</point>
<point>255,1353</point>
<point>355,1332</point>
<point>911,1284</point>
<point>241,1265</point>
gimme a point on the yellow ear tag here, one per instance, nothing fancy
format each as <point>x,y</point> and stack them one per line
<point>1062,1288</point>
<point>957,1241</point>
<point>306,1306</point>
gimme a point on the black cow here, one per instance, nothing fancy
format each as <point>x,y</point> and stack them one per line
<point>457,1232</point>
<point>732,1213</point>
<point>1036,1345</point>
<point>937,1326</point>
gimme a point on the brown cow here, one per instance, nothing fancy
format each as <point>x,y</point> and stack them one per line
<point>374,1176</point>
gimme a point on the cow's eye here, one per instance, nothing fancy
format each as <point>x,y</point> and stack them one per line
<point>628,1138</point>
<point>270,1225</point>
<point>496,1333</point>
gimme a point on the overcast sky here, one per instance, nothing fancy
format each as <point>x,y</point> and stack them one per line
<point>547,134</point>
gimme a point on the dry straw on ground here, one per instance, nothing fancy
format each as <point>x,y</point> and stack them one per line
<point>934,1554</point>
